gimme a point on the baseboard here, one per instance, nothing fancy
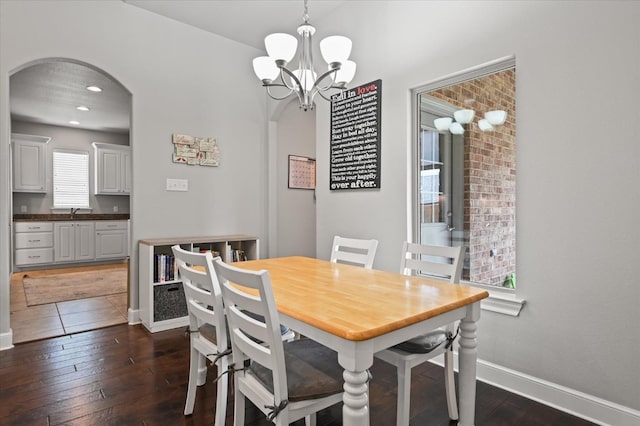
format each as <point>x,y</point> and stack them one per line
<point>133,316</point>
<point>6,340</point>
<point>576,403</point>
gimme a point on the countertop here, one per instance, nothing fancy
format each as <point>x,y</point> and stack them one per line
<point>67,217</point>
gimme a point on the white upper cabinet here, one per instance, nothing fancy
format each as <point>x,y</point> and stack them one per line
<point>112,169</point>
<point>29,163</point>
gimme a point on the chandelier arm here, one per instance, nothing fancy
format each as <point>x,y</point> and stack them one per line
<point>284,82</point>
<point>322,77</point>
<point>323,96</point>
<point>341,88</point>
<point>277,98</point>
<point>295,79</point>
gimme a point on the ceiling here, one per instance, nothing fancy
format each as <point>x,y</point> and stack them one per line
<point>245,21</point>
<point>50,92</point>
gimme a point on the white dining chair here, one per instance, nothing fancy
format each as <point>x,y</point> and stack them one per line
<point>207,326</point>
<point>287,381</point>
<point>353,251</point>
<point>443,263</point>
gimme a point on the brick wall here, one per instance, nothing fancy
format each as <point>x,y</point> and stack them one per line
<point>489,177</point>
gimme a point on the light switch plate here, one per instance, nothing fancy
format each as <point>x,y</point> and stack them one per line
<point>177,184</point>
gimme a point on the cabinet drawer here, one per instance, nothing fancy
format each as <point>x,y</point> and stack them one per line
<point>27,240</point>
<point>33,226</point>
<point>109,225</point>
<point>34,256</point>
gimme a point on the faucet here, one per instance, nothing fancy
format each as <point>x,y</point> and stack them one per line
<point>74,211</point>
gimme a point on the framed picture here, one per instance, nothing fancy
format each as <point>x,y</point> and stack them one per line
<point>302,172</point>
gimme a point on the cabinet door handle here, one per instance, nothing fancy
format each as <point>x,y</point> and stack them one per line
<point>34,257</point>
<point>34,241</point>
<point>34,227</point>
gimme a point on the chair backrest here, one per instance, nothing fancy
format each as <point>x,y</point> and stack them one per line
<point>202,292</point>
<point>438,261</point>
<point>254,326</point>
<point>354,251</point>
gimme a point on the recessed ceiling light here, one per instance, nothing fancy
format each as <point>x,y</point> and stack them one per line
<point>74,122</point>
<point>82,108</point>
<point>94,88</point>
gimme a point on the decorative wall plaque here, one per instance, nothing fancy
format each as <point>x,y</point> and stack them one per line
<point>195,150</point>
<point>355,138</point>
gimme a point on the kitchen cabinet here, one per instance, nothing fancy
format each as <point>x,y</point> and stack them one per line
<point>112,239</point>
<point>33,243</point>
<point>74,241</point>
<point>29,163</point>
<point>112,169</point>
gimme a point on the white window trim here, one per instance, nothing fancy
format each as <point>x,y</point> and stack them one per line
<point>501,300</point>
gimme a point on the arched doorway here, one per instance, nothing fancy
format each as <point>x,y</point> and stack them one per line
<point>52,98</point>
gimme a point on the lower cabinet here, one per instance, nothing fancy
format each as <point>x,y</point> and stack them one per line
<point>112,239</point>
<point>53,242</point>
<point>162,301</point>
<point>33,243</point>
<point>74,241</point>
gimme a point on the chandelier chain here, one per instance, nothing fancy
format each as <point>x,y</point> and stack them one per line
<point>305,15</point>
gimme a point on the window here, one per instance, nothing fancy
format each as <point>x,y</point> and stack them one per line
<point>70,179</point>
<point>465,184</point>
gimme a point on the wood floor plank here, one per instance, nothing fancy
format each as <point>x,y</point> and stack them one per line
<point>127,376</point>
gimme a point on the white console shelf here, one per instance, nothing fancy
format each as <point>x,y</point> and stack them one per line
<point>162,303</point>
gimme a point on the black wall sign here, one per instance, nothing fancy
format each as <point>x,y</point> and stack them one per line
<point>355,138</point>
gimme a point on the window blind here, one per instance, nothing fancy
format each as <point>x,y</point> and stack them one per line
<point>70,179</point>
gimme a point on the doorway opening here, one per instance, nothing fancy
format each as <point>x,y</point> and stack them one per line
<point>70,105</point>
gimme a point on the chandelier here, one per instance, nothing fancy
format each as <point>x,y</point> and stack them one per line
<point>491,120</point>
<point>304,82</point>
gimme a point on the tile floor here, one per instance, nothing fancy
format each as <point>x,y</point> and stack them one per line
<point>58,319</point>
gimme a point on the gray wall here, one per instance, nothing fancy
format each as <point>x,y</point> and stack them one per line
<point>179,80</point>
<point>578,192</point>
<point>578,162</point>
<point>296,208</point>
<point>68,138</point>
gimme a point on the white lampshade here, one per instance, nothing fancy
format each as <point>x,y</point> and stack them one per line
<point>335,49</point>
<point>496,117</point>
<point>346,72</point>
<point>485,126</point>
<point>281,46</point>
<point>307,78</point>
<point>442,124</point>
<point>456,128</point>
<point>464,116</point>
<point>265,68</point>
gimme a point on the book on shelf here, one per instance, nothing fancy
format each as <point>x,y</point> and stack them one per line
<point>164,268</point>
<point>238,255</point>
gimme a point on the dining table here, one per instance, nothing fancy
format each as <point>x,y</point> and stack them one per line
<point>358,312</point>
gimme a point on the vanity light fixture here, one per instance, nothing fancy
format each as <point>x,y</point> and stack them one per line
<point>82,108</point>
<point>94,89</point>
<point>304,82</point>
<point>491,120</point>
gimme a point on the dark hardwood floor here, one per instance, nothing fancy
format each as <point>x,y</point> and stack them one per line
<point>122,375</point>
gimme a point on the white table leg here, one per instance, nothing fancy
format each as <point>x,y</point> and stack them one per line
<point>468,358</point>
<point>355,411</point>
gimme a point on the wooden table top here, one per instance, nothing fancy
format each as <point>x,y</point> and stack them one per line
<point>356,303</point>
